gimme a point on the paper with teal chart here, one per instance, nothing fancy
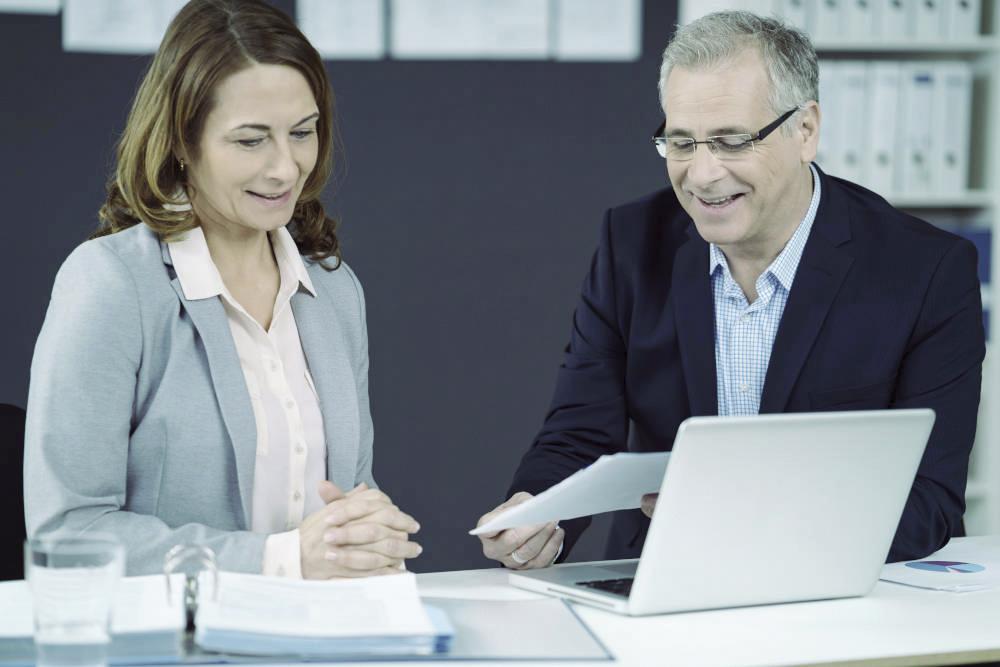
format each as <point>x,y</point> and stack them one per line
<point>964,565</point>
<point>615,482</point>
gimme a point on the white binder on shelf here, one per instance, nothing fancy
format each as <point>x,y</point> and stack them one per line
<point>962,18</point>
<point>830,115</point>
<point>859,19</point>
<point>883,127</point>
<point>796,12</point>
<point>951,118</point>
<point>928,20</point>
<point>917,173</point>
<point>852,117</point>
<point>828,20</point>
<point>895,19</point>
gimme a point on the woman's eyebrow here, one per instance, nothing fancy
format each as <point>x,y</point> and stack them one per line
<point>265,128</point>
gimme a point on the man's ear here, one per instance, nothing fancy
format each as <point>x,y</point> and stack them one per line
<point>807,130</point>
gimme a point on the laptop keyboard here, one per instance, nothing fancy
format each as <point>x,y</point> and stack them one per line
<point>614,586</point>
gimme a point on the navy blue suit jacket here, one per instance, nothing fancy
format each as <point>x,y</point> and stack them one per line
<point>885,312</point>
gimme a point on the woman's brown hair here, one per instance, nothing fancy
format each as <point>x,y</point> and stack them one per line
<point>206,42</point>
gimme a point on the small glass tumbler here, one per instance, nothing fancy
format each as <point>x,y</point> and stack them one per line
<point>73,580</point>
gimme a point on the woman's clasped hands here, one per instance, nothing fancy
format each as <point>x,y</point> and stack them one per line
<point>360,533</point>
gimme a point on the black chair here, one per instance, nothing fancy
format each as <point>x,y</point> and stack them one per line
<point>12,487</point>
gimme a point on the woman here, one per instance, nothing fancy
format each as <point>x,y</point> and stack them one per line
<point>202,373</point>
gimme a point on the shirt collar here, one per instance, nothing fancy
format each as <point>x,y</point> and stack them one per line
<point>784,266</point>
<point>289,259</point>
<point>200,278</point>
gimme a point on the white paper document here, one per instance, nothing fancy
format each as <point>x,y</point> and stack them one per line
<point>374,606</point>
<point>615,482</point>
<point>146,627</point>
<point>141,606</point>
<point>960,567</point>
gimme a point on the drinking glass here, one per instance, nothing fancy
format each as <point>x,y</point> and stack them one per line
<point>73,580</point>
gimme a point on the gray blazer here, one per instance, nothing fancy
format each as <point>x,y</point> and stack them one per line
<point>139,420</point>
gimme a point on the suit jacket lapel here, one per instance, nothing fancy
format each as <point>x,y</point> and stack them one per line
<point>209,319</point>
<point>694,313</point>
<point>334,376</point>
<point>820,274</point>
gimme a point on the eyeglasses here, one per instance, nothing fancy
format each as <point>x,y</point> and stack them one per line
<point>724,147</point>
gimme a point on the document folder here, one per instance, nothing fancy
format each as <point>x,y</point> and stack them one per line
<point>962,18</point>
<point>917,169</point>
<point>928,20</point>
<point>882,154</point>
<point>896,19</point>
<point>952,118</point>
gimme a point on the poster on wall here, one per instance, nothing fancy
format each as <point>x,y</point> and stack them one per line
<point>596,30</point>
<point>116,26</point>
<point>344,29</point>
<point>470,29</point>
<point>30,6</point>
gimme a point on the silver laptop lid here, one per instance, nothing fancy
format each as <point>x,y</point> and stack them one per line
<point>777,508</point>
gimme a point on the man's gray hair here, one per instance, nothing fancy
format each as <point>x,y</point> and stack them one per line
<point>787,53</point>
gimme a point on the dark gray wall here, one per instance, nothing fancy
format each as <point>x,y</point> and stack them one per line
<point>470,206</point>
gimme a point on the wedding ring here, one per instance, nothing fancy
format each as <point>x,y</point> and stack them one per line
<point>517,559</point>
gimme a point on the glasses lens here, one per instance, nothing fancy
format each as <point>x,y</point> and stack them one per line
<point>680,149</point>
<point>731,145</point>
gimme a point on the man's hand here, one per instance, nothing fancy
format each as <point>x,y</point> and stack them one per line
<point>524,547</point>
<point>649,504</point>
<point>358,534</point>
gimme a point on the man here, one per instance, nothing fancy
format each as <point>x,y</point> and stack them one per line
<point>758,284</point>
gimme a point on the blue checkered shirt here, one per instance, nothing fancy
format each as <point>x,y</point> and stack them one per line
<point>744,332</point>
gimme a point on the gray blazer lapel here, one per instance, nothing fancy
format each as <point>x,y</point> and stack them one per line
<point>329,360</point>
<point>209,319</point>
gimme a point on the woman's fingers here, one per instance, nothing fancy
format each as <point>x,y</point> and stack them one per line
<point>362,533</point>
<point>359,559</point>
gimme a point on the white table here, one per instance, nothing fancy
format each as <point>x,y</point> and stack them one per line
<point>893,625</point>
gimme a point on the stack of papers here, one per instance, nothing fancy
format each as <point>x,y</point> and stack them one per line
<point>257,615</point>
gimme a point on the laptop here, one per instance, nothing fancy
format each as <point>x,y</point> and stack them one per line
<point>761,510</point>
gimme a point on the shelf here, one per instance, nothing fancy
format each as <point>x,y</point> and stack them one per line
<point>971,46</point>
<point>968,199</point>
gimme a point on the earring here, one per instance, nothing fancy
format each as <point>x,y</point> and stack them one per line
<point>182,165</point>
